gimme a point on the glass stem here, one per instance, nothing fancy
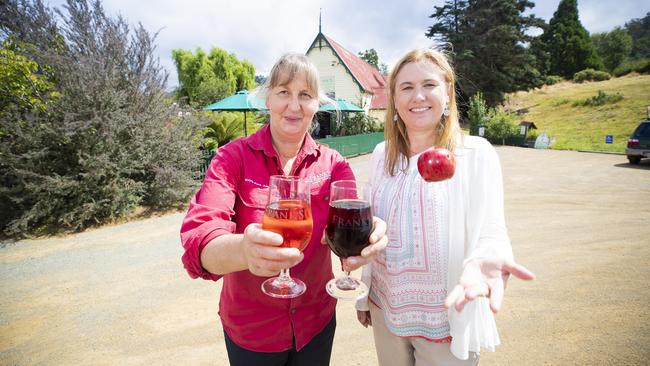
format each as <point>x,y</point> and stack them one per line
<point>284,275</point>
<point>347,274</point>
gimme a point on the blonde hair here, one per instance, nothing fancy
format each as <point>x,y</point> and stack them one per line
<point>397,142</point>
<point>286,69</point>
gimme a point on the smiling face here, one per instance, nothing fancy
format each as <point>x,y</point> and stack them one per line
<point>292,105</point>
<point>421,94</point>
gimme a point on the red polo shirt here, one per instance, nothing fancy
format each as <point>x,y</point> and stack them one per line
<point>233,195</point>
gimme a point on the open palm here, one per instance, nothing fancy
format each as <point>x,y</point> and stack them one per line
<point>485,277</point>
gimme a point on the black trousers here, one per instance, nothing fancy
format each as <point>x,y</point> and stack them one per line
<point>316,353</point>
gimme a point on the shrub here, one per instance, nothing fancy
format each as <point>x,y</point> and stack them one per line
<point>590,75</point>
<point>501,126</point>
<point>221,128</point>
<point>478,113</point>
<point>107,142</point>
<point>599,99</point>
<point>640,66</point>
<point>553,79</point>
<point>357,123</point>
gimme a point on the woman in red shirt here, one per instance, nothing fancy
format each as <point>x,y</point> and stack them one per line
<point>222,236</point>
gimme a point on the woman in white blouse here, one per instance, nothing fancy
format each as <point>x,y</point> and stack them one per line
<point>434,289</point>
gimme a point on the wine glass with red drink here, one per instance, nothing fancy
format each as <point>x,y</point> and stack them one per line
<point>349,224</point>
<point>288,213</point>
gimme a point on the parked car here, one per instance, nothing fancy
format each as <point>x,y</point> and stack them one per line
<point>638,145</point>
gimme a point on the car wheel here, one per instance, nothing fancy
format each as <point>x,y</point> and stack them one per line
<point>634,159</point>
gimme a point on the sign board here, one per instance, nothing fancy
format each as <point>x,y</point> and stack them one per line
<point>481,131</point>
<point>609,139</point>
<point>522,130</point>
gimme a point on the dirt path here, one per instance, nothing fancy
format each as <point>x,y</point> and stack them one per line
<point>119,295</point>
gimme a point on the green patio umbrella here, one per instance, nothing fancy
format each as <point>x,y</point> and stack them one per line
<point>344,106</point>
<point>238,102</point>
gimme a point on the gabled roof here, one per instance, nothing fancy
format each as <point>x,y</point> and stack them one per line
<point>364,74</point>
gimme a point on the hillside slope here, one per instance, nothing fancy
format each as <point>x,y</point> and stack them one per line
<point>552,109</point>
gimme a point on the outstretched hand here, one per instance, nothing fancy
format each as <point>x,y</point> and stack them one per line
<point>485,277</point>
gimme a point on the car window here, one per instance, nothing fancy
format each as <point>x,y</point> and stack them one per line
<point>643,130</point>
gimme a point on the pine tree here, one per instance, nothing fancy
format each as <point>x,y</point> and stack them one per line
<point>450,26</point>
<point>490,46</point>
<point>568,42</point>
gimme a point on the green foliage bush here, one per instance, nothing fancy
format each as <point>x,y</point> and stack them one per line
<point>590,75</point>
<point>357,123</point>
<point>641,66</point>
<point>221,128</point>
<point>478,113</point>
<point>106,140</point>
<point>599,99</point>
<point>21,83</point>
<point>532,135</point>
<point>553,79</point>
<point>501,126</point>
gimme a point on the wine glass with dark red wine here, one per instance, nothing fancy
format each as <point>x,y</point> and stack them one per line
<point>288,213</point>
<point>349,224</point>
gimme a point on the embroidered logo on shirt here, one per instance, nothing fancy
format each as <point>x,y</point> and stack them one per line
<point>318,178</point>
<point>255,183</point>
<point>314,180</point>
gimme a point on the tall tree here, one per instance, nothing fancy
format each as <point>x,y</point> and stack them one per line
<point>613,47</point>
<point>639,30</point>
<point>371,57</point>
<point>489,45</point>
<point>207,78</point>
<point>451,25</point>
<point>542,58</point>
<point>568,43</point>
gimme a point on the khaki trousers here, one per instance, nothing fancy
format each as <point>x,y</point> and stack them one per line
<point>393,350</point>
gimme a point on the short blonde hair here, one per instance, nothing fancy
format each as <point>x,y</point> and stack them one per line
<point>285,70</point>
<point>397,142</point>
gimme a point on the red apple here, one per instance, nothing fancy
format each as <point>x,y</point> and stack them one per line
<point>436,164</point>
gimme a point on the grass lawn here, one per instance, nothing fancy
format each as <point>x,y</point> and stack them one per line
<point>552,109</point>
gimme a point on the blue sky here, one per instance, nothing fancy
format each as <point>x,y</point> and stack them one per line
<point>260,30</point>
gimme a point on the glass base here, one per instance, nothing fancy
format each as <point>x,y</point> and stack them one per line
<point>286,288</point>
<point>346,288</point>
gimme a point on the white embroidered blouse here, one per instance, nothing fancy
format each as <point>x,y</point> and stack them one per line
<point>409,279</point>
<point>433,229</point>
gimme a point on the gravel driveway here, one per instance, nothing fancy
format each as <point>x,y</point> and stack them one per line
<point>119,295</point>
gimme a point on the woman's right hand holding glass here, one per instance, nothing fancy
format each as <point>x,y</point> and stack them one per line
<point>262,253</point>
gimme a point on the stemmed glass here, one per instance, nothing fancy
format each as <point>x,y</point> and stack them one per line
<point>288,213</point>
<point>349,224</point>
